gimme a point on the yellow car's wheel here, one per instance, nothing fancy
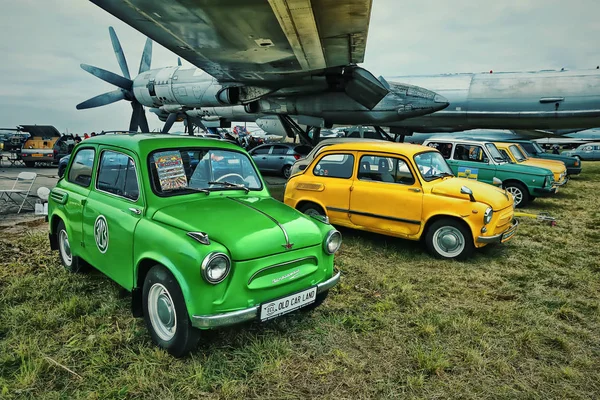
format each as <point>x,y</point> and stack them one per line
<point>448,238</point>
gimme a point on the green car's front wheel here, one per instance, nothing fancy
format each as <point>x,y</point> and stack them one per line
<point>165,313</point>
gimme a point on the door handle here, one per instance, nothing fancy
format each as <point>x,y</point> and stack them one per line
<point>264,158</point>
<point>417,190</point>
<point>135,211</point>
<point>281,158</point>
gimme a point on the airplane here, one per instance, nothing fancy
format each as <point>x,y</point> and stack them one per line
<point>278,59</point>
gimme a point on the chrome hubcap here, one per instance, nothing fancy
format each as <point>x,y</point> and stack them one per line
<point>161,311</point>
<point>518,196</point>
<point>65,248</point>
<point>448,241</point>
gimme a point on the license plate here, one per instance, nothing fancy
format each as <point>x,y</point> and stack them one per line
<point>37,155</point>
<point>284,305</point>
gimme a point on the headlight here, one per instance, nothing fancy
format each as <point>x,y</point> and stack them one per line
<point>487,215</point>
<point>215,267</point>
<point>332,242</point>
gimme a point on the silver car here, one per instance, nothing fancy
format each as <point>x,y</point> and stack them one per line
<point>588,151</point>
<point>278,157</point>
<point>302,163</point>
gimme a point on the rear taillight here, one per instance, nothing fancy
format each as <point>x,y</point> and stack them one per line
<point>297,156</point>
<point>55,152</point>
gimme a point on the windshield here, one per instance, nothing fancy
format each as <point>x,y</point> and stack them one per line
<point>537,147</point>
<point>432,165</point>
<point>517,154</point>
<point>494,152</point>
<point>181,171</point>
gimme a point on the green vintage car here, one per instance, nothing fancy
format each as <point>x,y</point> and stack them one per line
<point>188,226</point>
<point>481,160</point>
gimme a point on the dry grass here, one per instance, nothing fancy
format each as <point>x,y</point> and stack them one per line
<point>520,320</point>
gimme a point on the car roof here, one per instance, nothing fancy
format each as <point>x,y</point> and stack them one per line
<point>382,146</point>
<point>458,140</point>
<point>144,143</point>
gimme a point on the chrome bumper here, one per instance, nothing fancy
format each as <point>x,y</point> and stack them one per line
<point>248,314</point>
<point>499,238</point>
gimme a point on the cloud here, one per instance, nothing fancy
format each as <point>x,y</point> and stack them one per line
<point>43,43</point>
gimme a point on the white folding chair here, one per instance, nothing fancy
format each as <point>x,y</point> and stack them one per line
<point>20,190</point>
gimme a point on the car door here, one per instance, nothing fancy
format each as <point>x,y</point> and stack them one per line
<point>471,161</point>
<point>277,157</point>
<point>386,197</point>
<point>333,173</point>
<point>112,211</point>
<point>77,183</point>
<point>260,156</point>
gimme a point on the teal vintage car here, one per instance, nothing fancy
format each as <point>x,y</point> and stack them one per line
<point>481,160</point>
<point>187,225</point>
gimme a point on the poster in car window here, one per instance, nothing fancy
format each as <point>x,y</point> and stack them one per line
<point>171,173</point>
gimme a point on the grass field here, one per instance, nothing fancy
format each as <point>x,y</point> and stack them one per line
<point>521,320</point>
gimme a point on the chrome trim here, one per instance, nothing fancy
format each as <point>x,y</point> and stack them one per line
<point>201,237</point>
<point>287,244</point>
<point>208,259</point>
<point>328,238</point>
<point>498,238</point>
<point>248,314</point>
<point>281,265</point>
<point>324,219</point>
<point>135,210</point>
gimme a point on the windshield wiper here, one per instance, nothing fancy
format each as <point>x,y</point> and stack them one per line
<point>230,184</point>
<point>441,175</point>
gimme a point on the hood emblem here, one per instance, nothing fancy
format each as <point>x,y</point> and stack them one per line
<point>288,245</point>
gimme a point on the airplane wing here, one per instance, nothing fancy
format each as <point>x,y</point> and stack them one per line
<point>263,42</point>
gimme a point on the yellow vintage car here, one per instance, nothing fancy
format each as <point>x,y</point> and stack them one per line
<point>402,190</point>
<point>515,153</point>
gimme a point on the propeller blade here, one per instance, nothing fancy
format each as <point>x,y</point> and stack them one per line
<point>143,122</point>
<point>146,57</point>
<point>108,76</point>
<point>169,122</point>
<point>119,52</point>
<point>179,61</point>
<point>135,116</point>
<point>102,100</point>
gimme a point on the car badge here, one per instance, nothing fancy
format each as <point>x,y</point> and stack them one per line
<point>288,246</point>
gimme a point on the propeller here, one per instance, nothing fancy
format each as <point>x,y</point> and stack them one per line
<point>124,83</point>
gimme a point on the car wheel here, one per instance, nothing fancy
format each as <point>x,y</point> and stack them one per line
<point>448,238</point>
<point>318,301</point>
<point>286,171</point>
<point>69,261</point>
<point>312,210</point>
<point>29,164</point>
<point>519,193</point>
<point>165,313</point>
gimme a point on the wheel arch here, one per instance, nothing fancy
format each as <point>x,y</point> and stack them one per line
<point>439,217</point>
<point>56,219</point>
<point>304,202</point>
<point>514,180</point>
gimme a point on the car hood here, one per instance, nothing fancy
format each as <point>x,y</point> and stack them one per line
<point>557,167</point>
<point>495,197</point>
<point>568,160</point>
<point>250,227</point>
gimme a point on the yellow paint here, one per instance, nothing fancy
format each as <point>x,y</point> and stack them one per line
<point>558,168</point>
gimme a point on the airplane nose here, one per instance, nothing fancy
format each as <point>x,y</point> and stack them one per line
<point>440,99</point>
<point>417,101</point>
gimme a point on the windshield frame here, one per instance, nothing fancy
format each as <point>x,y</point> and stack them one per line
<point>172,193</point>
<point>537,147</point>
<point>500,159</point>
<point>432,177</point>
<point>520,157</point>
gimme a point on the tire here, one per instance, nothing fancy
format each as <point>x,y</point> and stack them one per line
<point>173,330</point>
<point>29,164</point>
<point>312,209</point>
<point>448,238</point>
<point>286,171</point>
<point>69,261</point>
<point>519,192</point>
<point>318,301</point>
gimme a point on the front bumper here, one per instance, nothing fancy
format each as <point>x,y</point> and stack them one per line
<point>502,237</point>
<point>540,192</point>
<point>248,314</point>
<point>573,170</point>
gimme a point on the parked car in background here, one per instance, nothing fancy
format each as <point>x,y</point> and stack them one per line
<point>199,245</point>
<point>533,149</point>
<point>481,160</point>
<point>402,190</point>
<point>278,157</point>
<point>40,145</point>
<point>588,151</point>
<point>63,147</point>
<point>303,162</point>
<point>514,153</point>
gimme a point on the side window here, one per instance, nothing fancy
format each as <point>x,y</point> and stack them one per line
<point>262,150</point>
<point>470,153</point>
<point>280,150</point>
<point>335,166</point>
<point>117,175</point>
<point>444,148</point>
<point>506,156</point>
<point>385,169</point>
<point>81,167</point>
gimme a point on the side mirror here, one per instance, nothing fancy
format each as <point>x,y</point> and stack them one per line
<point>466,190</point>
<point>302,167</point>
<point>496,181</point>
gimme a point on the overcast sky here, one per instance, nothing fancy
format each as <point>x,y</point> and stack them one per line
<point>42,43</point>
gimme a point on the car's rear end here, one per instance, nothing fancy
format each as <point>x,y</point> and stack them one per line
<point>40,145</point>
